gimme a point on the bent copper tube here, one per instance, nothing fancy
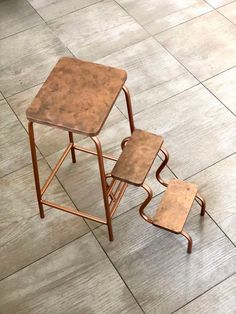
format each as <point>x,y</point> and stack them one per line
<point>162,166</point>
<point>146,202</point>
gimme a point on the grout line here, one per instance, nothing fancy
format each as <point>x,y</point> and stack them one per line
<point>168,98</point>
<point>225,16</point>
<point>49,253</point>
<point>224,5</point>
<point>200,82</point>
<point>209,78</point>
<point>24,30</point>
<point>58,17</point>
<point>218,161</point>
<point>219,100</point>
<point>216,9</point>
<point>118,272</point>
<point>220,228</point>
<point>22,91</point>
<point>143,26</point>
<point>201,294</point>
<point>170,53</point>
<point>193,18</point>
<point>122,112</point>
<point>36,11</point>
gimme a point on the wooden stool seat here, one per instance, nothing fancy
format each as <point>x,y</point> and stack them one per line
<point>175,206</point>
<point>77,96</point>
<point>137,157</point>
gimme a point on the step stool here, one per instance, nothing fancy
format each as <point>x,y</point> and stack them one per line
<point>132,167</point>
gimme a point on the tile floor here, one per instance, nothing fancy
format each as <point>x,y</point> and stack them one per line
<point>181,62</point>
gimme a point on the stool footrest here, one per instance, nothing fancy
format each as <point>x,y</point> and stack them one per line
<point>175,206</point>
<point>137,157</point>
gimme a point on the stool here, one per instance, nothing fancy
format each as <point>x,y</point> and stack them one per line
<point>174,208</point>
<point>78,97</point>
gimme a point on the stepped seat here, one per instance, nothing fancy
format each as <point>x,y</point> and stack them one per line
<point>175,206</point>
<point>137,157</point>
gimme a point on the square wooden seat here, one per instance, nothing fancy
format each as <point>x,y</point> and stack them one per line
<point>77,96</point>
<point>137,157</point>
<point>175,206</point>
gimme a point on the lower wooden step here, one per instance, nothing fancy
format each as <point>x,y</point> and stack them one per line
<point>137,157</point>
<point>175,206</point>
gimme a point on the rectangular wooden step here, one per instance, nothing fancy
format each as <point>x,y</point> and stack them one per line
<point>175,206</point>
<point>137,157</point>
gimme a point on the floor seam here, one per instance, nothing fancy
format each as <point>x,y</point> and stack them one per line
<point>49,253</point>
<point>58,17</point>
<point>201,294</point>
<point>118,272</point>
<point>221,72</point>
<point>219,100</point>
<point>212,165</point>
<point>24,30</point>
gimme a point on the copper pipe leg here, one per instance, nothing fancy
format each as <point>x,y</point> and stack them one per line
<point>162,166</point>
<point>146,202</point>
<point>35,168</point>
<point>190,241</point>
<point>72,147</point>
<point>104,186</point>
<point>129,108</point>
<point>203,204</point>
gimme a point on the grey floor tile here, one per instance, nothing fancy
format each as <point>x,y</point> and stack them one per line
<point>52,9</point>
<point>150,67</point>
<point>49,140</point>
<point>210,51</point>
<point>218,3</point>
<point>28,65</point>
<point>24,237</point>
<point>223,86</point>
<point>157,15</point>
<point>158,93</point>
<point>15,151</point>
<point>83,177</point>
<point>155,265</point>
<point>220,299</point>
<point>218,185</point>
<point>198,130</point>
<point>229,11</point>
<point>77,278</point>
<point>98,30</point>
<point>16,16</point>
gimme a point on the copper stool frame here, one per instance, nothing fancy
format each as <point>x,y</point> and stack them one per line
<point>198,198</point>
<point>111,197</point>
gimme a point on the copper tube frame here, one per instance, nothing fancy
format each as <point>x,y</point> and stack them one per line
<point>107,190</point>
<point>150,220</point>
<point>162,166</point>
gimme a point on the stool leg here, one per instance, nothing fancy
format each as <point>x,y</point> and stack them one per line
<point>72,148</point>
<point>145,203</point>
<point>162,166</point>
<point>35,168</point>
<point>104,188</point>
<point>190,241</point>
<point>203,204</point>
<point>129,108</point>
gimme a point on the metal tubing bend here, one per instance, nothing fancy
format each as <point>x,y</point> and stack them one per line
<point>146,202</point>
<point>162,166</point>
